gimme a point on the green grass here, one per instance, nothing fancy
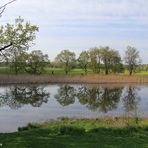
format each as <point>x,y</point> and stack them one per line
<point>76,71</point>
<point>60,71</point>
<point>5,70</point>
<point>143,73</point>
<point>83,133</point>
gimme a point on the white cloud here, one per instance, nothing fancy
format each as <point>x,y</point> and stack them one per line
<point>80,24</point>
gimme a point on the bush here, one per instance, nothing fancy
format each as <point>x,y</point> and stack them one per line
<point>28,127</point>
<point>71,130</point>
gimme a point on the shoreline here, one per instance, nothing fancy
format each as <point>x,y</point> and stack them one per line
<point>89,79</point>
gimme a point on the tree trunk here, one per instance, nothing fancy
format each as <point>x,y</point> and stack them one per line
<point>85,70</point>
<point>130,73</point>
<point>106,69</point>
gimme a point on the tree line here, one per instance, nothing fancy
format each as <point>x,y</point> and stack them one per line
<point>17,38</point>
<point>100,58</point>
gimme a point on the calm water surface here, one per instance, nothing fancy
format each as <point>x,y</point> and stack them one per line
<point>21,104</point>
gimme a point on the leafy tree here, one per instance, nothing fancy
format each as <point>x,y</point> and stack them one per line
<point>20,36</point>
<point>111,60</point>
<point>95,58</point>
<point>36,62</point>
<point>67,59</point>
<point>115,62</point>
<point>84,60</point>
<point>18,65</point>
<point>33,63</point>
<point>105,57</point>
<point>132,59</point>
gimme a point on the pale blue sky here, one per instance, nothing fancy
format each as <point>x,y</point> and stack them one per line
<point>81,24</point>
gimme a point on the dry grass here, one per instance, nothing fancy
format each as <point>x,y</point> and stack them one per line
<point>95,79</point>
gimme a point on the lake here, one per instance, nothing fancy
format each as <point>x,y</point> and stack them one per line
<point>22,104</point>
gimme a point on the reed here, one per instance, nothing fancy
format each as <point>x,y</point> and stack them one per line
<point>95,79</point>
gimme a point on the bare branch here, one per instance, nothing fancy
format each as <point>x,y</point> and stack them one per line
<point>2,8</point>
<point>5,47</point>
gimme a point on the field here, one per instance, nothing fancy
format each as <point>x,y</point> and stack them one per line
<point>76,71</point>
<point>80,133</point>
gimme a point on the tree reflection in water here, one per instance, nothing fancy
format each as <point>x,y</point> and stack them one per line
<point>103,99</point>
<point>131,101</point>
<point>19,95</point>
<point>95,98</point>
<point>66,95</point>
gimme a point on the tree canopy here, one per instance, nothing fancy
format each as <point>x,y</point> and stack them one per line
<point>67,59</point>
<point>20,36</point>
<point>132,59</point>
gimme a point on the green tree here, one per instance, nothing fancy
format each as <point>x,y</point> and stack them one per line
<point>84,60</point>
<point>37,62</point>
<point>111,60</point>
<point>32,63</point>
<point>115,62</point>
<point>20,36</point>
<point>95,58</point>
<point>67,59</point>
<point>105,57</point>
<point>18,65</point>
<point>132,59</point>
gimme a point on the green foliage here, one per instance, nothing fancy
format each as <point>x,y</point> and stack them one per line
<point>111,60</point>
<point>132,59</point>
<point>84,60</point>
<point>36,62</point>
<point>71,130</point>
<point>32,63</point>
<point>67,59</point>
<point>21,35</point>
<point>29,127</point>
<point>95,59</point>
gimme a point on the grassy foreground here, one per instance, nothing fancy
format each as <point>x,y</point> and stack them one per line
<point>82,133</point>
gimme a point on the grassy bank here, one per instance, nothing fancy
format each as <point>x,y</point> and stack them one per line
<point>96,79</point>
<point>82,133</point>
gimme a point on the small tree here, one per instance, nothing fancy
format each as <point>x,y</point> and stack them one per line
<point>67,59</point>
<point>84,60</point>
<point>132,59</point>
